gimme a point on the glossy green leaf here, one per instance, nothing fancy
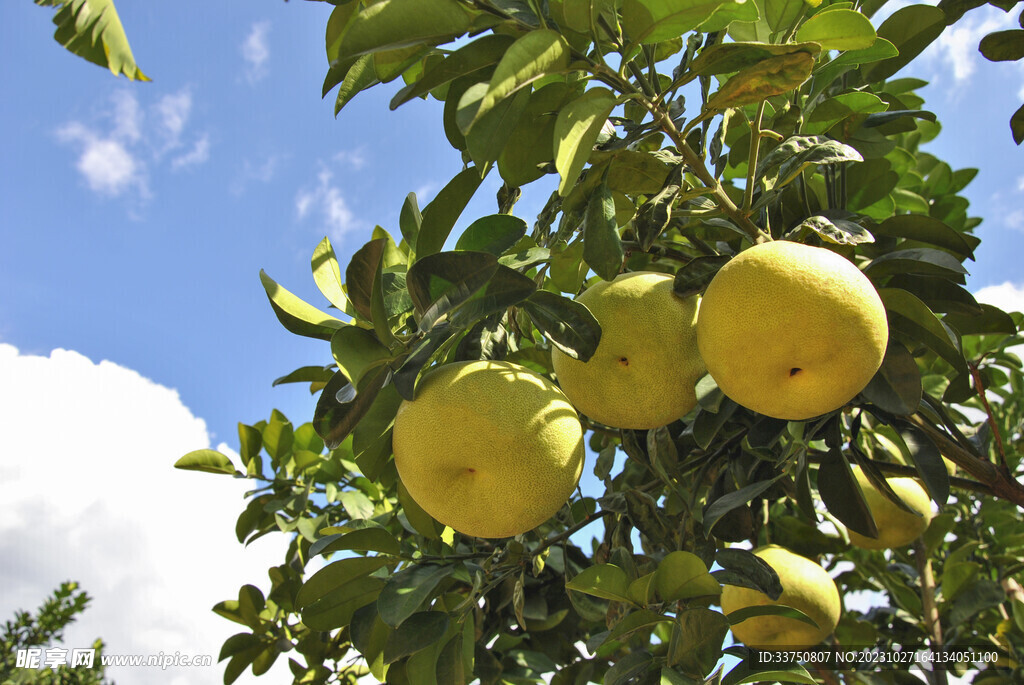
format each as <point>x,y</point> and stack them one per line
<point>507,287</point>
<point>922,260</point>
<point>653,21</point>
<point>837,231</point>
<point>989,320</point>
<point>491,131</point>
<point>568,324</point>
<point>896,386</point>
<point>783,673</point>
<point>296,315</point>
<point>442,281</point>
<point>482,52</point>
<point>410,219</point>
<point>419,631</point>
<point>1017,125</point>
<point>838,29</point>
<point>769,610</point>
<point>976,597</point>
<point>723,505</point>
<point>838,489</point>
<point>928,461</point>
<point>909,314</point>
<point>910,29</point>
<point>576,131</point>
<point>327,274</point>
<point>602,246</point>
<point>1003,46</point>
<point>360,275</point>
<point>695,275</point>
<point>493,234</point>
<point>696,643</point>
<point>358,78</point>
<point>830,112</point>
<point>407,590</point>
<point>535,54</point>
<point>357,350</point>
<point>743,568</point>
<point>939,294</point>
<point>606,581</point>
<point>638,620</point>
<point>440,215</point>
<point>336,608</point>
<point>682,575</point>
<point>209,461</point>
<point>409,374</point>
<point>391,24</point>
<point>341,406</point>
<point>92,30</point>
<point>335,575</point>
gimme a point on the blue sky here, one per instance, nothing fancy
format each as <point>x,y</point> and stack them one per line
<point>135,218</point>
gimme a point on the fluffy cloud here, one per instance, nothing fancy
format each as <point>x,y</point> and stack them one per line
<point>114,159</point>
<point>256,51</point>
<point>956,49</point>
<point>326,201</point>
<point>1007,296</point>
<point>88,492</point>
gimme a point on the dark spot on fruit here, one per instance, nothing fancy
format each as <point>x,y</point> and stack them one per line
<point>794,371</point>
<point>469,470</point>
<point>624,361</point>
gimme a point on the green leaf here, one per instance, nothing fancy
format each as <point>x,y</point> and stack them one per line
<point>408,376</point>
<point>357,351</point>
<point>696,643</point>
<point>391,24</point>
<point>341,405</point>
<point>955,577</point>
<point>911,29</point>
<point>536,54</point>
<point>209,461</point>
<point>358,78</point>
<point>978,596</point>
<point>784,673</point>
<point>440,282</point>
<point>638,620</point>
<point>337,607</point>
<point>278,436</point>
<point>896,386</point>
<point>407,590</point>
<point>576,131</point>
<point>506,287</point>
<point>987,321</point>
<point>769,610</point>
<point>707,424</point>
<point>315,375</point>
<point>568,324</point>
<point>361,275</point>
<point>723,505</point>
<point>743,568</point>
<point>799,152</point>
<point>925,229</point>
<point>490,133</point>
<point>482,52</point>
<point>335,575</point>
<point>297,316</point>
<point>362,540</point>
<point>417,632</point>
<point>928,461</point>
<point>830,112</point>
<point>1017,125</point>
<point>606,581</point>
<point>726,58</point>
<point>654,21</point>
<point>838,29</point>
<point>410,219</point>
<point>909,314</point>
<point>494,234</point>
<point>682,575</point>
<point>837,231</point>
<point>602,246</point>
<point>327,274</point>
<point>922,260</point>
<point>92,30</point>
<point>1003,46</point>
<point>695,275</point>
<point>842,496</point>
<point>773,76</point>
<point>440,215</point>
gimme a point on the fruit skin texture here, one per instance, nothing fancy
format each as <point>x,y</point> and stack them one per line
<point>896,527</point>
<point>643,372</point>
<point>791,331</point>
<point>490,448</point>
<point>805,586</point>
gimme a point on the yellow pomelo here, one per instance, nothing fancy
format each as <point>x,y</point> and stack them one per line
<point>791,331</point>
<point>643,372</point>
<point>490,448</point>
<point>896,527</point>
<point>805,586</point>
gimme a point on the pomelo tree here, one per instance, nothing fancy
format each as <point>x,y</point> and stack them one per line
<point>670,136</point>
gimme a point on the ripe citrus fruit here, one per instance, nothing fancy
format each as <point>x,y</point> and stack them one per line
<point>805,586</point>
<point>643,372</point>
<point>896,527</point>
<point>791,331</point>
<point>489,448</point>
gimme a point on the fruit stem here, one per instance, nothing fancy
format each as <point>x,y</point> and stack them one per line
<point>980,387</point>
<point>930,609</point>
<point>1004,486</point>
<point>755,145</point>
<point>569,532</point>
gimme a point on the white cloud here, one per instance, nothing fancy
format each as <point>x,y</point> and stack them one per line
<point>351,158</point>
<point>1007,296</point>
<point>326,200</point>
<point>260,172</point>
<point>88,492</point>
<point>199,153</point>
<point>173,111</point>
<point>957,46</point>
<point>127,116</point>
<point>256,52</point>
<point>106,163</point>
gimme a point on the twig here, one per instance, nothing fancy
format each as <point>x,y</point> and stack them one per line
<point>755,144</point>
<point>929,608</point>
<point>980,387</point>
